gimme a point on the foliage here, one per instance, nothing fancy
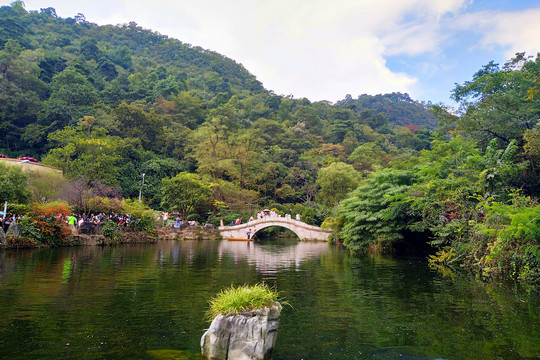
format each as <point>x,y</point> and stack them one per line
<point>86,198</point>
<point>144,224</point>
<point>52,209</point>
<point>135,208</point>
<point>110,230</point>
<point>29,229</point>
<point>185,193</point>
<point>496,103</point>
<point>17,209</point>
<point>399,108</point>
<point>243,298</point>
<point>336,181</point>
<point>511,237</point>
<point>53,232</point>
<point>13,184</point>
<point>45,186</point>
<point>93,157</point>
<point>377,210</point>
<point>20,242</point>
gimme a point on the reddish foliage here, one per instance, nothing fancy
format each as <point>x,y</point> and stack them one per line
<point>412,127</point>
<point>51,209</point>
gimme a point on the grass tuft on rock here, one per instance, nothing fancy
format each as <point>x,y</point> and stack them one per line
<point>235,300</point>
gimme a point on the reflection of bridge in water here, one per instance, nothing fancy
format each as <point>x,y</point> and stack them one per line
<point>301,229</point>
<point>269,259</point>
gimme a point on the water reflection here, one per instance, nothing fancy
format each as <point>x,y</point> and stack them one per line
<point>270,257</point>
<point>148,301</point>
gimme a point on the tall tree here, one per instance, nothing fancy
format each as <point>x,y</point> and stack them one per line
<point>497,103</point>
<point>336,181</point>
<point>13,185</point>
<point>186,194</point>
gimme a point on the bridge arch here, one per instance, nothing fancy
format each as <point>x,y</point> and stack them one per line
<point>302,230</point>
<point>266,226</point>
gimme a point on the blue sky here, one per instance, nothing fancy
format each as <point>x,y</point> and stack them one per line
<point>325,49</point>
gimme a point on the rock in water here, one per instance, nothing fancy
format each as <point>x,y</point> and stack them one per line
<point>246,336</point>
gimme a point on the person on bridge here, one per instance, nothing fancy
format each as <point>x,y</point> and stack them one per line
<point>298,216</point>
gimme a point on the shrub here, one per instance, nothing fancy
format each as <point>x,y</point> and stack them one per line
<point>17,209</point>
<point>54,232</point>
<point>54,208</point>
<point>110,230</point>
<point>20,242</point>
<point>144,224</point>
<point>194,217</point>
<point>29,229</point>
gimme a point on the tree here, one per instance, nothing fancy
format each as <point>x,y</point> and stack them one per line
<point>91,155</point>
<point>134,122</point>
<point>13,184</point>
<point>497,103</point>
<point>375,211</point>
<point>336,181</point>
<point>186,194</point>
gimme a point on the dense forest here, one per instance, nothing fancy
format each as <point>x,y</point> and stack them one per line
<point>108,103</point>
<point>128,112</point>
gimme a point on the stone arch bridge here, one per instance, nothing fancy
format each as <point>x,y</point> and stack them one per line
<point>301,229</point>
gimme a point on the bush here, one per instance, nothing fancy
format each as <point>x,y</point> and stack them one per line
<point>54,232</point>
<point>144,224</point>
<point>29,229</point>
<point>20,242</point>
<point>110,230</point>
<point>17,209</point>
<point>51,209</point>
<point>194,217</point>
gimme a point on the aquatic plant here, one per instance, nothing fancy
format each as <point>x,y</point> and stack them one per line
<point>235,300</point>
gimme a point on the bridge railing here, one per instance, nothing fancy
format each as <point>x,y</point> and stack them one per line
<point>272,218</point>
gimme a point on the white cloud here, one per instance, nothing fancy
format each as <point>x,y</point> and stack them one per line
<point>516,32</point>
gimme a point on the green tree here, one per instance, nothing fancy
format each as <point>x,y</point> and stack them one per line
<point>134,122</point>
<point>497,103</point>
<point>13,184</point>
<point>92,156</point>
<point>376,212</point>
<point>186,194</point>
<point>336,181</point>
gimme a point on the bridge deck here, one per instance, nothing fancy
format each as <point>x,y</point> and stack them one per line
<point>301,229</point>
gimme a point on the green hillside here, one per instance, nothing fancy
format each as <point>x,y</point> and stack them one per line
<point>155,105</point>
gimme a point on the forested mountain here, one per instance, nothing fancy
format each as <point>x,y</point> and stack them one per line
<point>399,108</point>
<point>108,103</point>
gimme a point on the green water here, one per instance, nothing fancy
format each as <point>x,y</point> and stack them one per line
<point>148,302</point>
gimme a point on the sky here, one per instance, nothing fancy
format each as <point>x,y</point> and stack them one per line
<point>326,49</point>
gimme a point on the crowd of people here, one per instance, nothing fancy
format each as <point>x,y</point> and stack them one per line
<point>5,221</point>
<point>73,221</point>
<point>176,222</point>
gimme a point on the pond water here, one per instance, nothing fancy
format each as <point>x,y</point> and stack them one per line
<point>148,302</point>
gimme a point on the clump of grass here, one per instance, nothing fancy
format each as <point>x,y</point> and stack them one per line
<point>235,300</point>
